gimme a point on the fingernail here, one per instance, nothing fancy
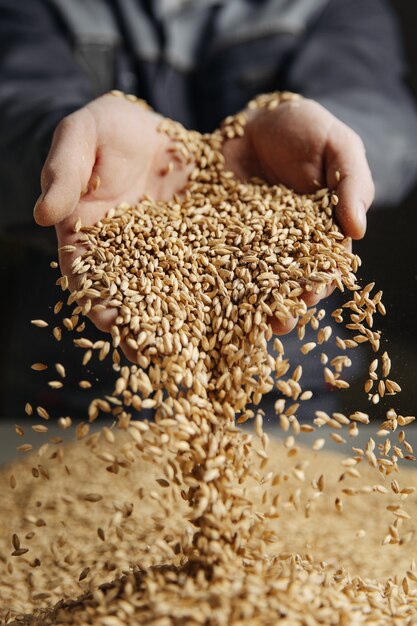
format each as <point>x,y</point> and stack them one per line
<point>361,218</point>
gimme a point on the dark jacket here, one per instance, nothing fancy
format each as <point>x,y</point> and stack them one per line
<point>198,61</point>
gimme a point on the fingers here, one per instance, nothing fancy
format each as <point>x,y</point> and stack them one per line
<point>348,172</point>
<point>311,298</point>
<point>67,169</point>
<point>282,328</point>
<point>104,320</point>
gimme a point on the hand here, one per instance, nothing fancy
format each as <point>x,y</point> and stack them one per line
<point>302,145</point>
<point>103,154</point>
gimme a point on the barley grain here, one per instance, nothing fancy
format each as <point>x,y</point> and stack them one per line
<point>39,323</point>
<point>192,282</point>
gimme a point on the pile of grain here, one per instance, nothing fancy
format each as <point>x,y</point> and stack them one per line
<point>341,552</point>
<point>192,283</point>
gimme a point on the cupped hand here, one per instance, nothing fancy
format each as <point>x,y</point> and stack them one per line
<point>108,152</point>
<point>303,146</point>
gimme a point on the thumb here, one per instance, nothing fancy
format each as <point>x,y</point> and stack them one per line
<point>68,168</point>
<point>349,174</point>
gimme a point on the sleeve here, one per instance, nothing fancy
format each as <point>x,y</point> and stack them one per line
<point>351,61</point>
<point>41,83</point>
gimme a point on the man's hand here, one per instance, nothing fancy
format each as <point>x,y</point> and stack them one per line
<point>110,152</point>
<point>303,146</point>
<point>103,154</point>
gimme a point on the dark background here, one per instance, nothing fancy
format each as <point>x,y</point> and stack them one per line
<point>389,253</point>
